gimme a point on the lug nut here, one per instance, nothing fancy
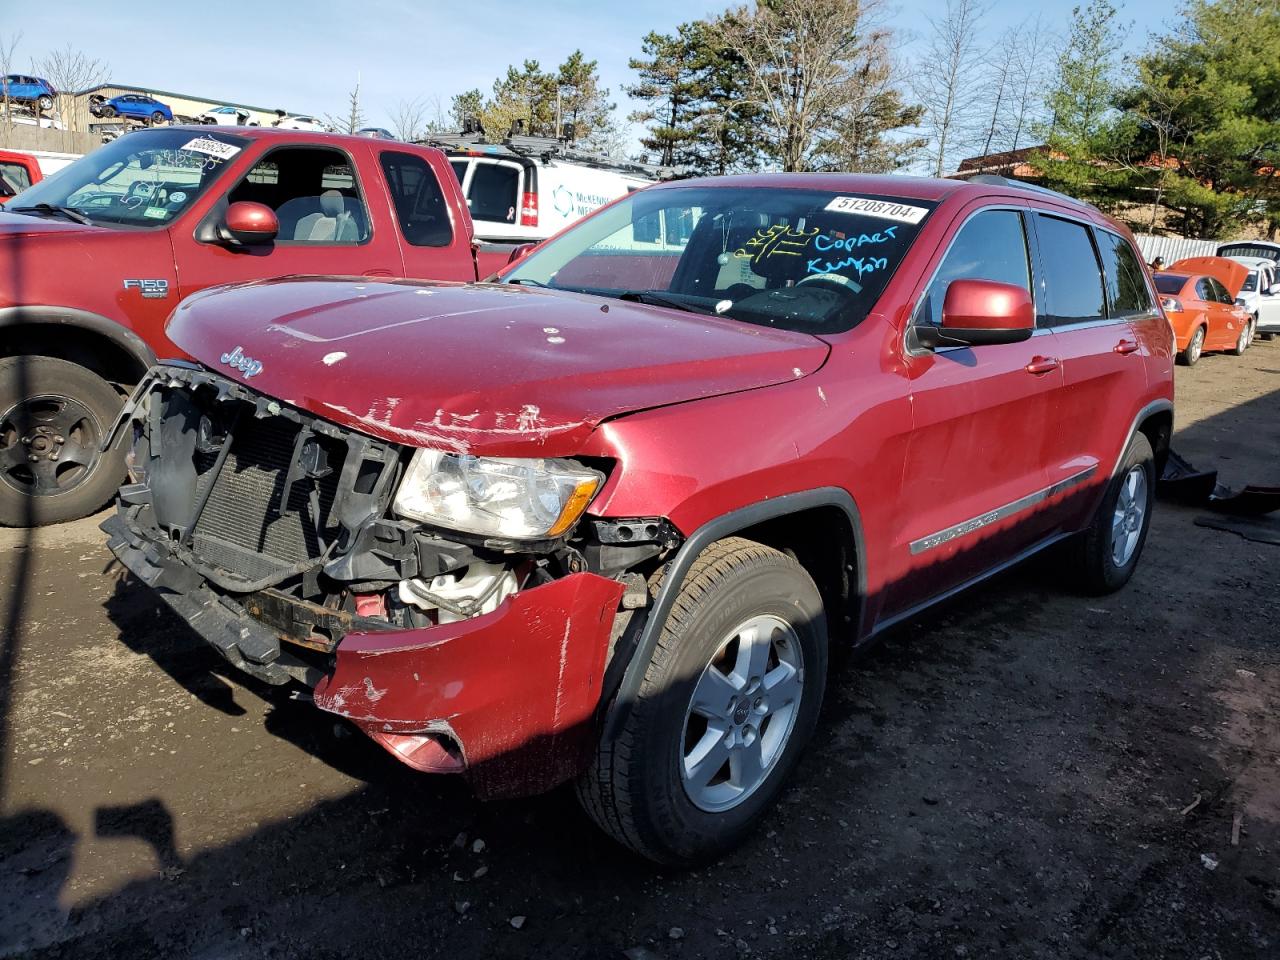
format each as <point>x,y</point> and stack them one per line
<point>59,439</point>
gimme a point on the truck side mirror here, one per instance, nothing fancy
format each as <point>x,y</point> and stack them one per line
<point>520,252</point>
<point>249,224</point>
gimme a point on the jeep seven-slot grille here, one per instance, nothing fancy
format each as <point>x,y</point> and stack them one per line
<point>244,527</point>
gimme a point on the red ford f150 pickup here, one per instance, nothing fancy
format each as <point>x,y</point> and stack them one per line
<point>602,520</point>
<point>93,260</point>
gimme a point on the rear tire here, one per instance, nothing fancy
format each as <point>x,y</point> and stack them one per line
<point>58,413</point>
<point>107,112</point>
<point>745,614</point>
<point>1106,553</point>
<point>1190,356</point>
<point>157,117</point>
<point>1242,344</point>
<point>45,102</point>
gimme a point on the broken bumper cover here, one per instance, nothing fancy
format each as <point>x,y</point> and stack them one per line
<point>509,698</point>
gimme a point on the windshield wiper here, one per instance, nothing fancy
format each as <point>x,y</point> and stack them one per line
<point>659,299</point>
<point>530,282</point>
<point>71,213</point>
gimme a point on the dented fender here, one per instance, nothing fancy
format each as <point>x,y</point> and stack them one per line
<point>512,693</point>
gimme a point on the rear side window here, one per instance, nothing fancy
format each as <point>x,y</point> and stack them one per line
<point>1204,290</point>
<point>459,168</point>
<point>1072,278</point>
<point>420,206</point>
<point>493,194</point>
<point>1126,285</point>
<point>992,245</point>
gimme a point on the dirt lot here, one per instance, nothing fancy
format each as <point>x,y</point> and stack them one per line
<point>1023,773</point>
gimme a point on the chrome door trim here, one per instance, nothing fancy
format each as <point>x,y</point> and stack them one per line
<point>954,532</point>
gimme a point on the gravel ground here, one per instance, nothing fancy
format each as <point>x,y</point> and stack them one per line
<point>1022,773</point>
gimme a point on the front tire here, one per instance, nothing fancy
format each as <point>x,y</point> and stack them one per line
<point>53,417</point>
<point>1190,356</point>
<point>45,102</point>
<point>729,699</point>
<point>1107,552</point>
<point>157,117</point>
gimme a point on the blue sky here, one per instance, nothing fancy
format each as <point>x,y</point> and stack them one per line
<point>304,56</point>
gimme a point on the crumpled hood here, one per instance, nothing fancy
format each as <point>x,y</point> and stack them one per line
<point>475,367</point>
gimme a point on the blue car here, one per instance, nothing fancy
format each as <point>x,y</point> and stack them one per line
<point>136,106</point>
<point>26,89</point>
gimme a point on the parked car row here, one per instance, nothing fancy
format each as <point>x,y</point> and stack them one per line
<point>1220,303</point>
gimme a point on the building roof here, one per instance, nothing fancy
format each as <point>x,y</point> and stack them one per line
<point>131,88</point>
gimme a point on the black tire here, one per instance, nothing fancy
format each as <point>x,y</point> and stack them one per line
<point>107,112</point>
<point>1093,559</point>
<point>45,102</point>
<point>157,117</point>
<point>1191,356</point>
<point>634,789</point>
<point>35,387</point>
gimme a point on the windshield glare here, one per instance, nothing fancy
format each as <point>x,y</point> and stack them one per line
<point>809,260</point>
<point>143,179</point>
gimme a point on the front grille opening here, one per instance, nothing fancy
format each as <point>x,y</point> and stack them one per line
<point>367,476</point>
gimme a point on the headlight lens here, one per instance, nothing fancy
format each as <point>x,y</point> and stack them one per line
<point>517,499</point>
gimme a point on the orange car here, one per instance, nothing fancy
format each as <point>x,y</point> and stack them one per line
<point>1199,298</point>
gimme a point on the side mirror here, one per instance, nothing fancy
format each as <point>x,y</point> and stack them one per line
<point>520,252</point>
<point>248,224</point>
<point>979,313</point>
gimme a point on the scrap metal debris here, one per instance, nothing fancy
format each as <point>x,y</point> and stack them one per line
<point>1182,482</point>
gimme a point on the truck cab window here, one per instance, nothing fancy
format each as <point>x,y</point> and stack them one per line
<point>421,210</point>
<point>313,192</point>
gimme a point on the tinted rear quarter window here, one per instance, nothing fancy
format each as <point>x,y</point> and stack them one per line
<point>1126,285</point>
<point>420,206</point>
<point>1072,279</point>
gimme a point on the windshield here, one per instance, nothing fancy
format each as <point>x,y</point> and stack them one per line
<point>809,260</point>
<point>143,179</point>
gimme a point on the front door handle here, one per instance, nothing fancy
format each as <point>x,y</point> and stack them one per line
<point>1043,364</point>
<point>1126,346</point>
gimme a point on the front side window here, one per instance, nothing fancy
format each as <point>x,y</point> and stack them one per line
<point>143,180</point>
<point>494,193</point>
<point>421,210</point>
<point>1072,278</point>
<point>313,192</point>
<point>1204,290</point>
<point>1250,282</point>
<point>809,260</point>
<point>992,245</point>
<point>1126,284</point>
<point>1219,291</point>
<point>16,174</point>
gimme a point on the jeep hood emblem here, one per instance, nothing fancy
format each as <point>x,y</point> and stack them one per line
<point>238,361</point>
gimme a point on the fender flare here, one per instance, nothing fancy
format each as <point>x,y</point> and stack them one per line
<point>1162,405</point>
<point>112,330</point>
<point>701,538</point>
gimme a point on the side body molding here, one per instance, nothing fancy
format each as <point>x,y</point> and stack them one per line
<point>699,540</point>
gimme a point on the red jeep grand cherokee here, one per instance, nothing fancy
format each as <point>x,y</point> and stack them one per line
<point>602,520</point>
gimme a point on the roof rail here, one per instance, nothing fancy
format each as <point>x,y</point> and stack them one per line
<point>545,149</point>
<point>996,180</point>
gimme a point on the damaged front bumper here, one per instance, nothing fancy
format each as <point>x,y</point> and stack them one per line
<point>508,697</point>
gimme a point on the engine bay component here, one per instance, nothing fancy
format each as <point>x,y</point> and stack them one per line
<point>461,594</point>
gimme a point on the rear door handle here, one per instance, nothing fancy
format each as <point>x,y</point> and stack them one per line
<point>1126,346</point>
<point>1043,364</point>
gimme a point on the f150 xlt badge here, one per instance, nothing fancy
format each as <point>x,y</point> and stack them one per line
<point>246,365</point>
<point>151,289</point>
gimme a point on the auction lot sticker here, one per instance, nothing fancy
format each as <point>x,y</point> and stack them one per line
<point>883,209</point>
<point>214,148</point>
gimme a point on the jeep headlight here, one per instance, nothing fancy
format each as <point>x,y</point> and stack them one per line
<point>516,499</point>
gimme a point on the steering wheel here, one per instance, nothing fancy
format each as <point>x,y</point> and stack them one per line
<point>842,283</point>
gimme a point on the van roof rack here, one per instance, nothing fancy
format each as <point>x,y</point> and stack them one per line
<point>545,149</point>
<point>996,180</point>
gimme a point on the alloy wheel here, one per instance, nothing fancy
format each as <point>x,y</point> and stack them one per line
<point>1130,515</point>
<point>742,713</point>
<point>48,444</point>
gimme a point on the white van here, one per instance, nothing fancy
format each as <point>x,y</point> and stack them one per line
<point>520,197</point>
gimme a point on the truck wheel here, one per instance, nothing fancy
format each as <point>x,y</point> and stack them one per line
<point>1189,356</point>
<point>53,416</point>
<point>729,699</point>
<point>1107,552</point>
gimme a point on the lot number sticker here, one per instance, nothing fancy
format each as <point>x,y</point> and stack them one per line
<point>214,148</point>
<point>883,209</point>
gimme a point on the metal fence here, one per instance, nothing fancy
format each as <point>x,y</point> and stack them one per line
<point>1173,248</point>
